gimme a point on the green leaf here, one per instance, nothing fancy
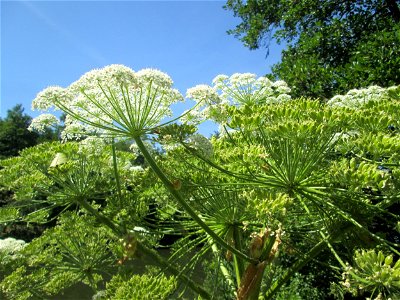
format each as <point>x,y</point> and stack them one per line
<point>8,214</point>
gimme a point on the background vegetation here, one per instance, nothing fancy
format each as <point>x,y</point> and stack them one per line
<point>296,196</point>
<point>332,46</point>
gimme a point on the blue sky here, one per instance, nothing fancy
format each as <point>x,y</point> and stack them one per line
<point>47,43</point>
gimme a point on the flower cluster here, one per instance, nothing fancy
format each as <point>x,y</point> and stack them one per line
<point>9,249</point>
<point>73,129</point>
<point>247,88</point>
<point>238,89</point>
<point>92,146</point>
<point>203,93</point>
<point>42,122</point>
<point>372,272</point>
<point>113,101</point>
<point>197,143</point>
<point>202,145</point>
<point>45,99</point>
<point>359,97</point>
<point>149,146</point>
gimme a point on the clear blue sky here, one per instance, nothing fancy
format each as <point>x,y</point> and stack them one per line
<point>47,43</point>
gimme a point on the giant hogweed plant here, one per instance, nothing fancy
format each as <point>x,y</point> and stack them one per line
<point>284,178</point>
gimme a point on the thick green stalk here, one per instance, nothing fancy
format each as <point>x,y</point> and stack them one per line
<point>174,191</point>
<point>238,263</point>
<point>224,270</point>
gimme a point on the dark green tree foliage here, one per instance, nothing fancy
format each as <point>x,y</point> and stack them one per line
<point>14,133</point>
<point>333,46</point>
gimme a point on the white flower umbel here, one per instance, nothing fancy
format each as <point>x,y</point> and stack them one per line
<point>113,102</point>
<point>11,245</point>
<point>45,99</point>
<point>157,77</point>
<point>243,88</point>
<point>10,249</point>
<point>238,89</point>
<point>358,97</point>
<point>203,93</point>
<point>42,122</point>
<point>208,105</point>
<point>201,144</point>
<point>92,146</point>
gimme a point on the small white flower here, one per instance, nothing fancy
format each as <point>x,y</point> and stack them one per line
<point>283,90</point>
<point>264,82</point>
<point>156,77</point>
<point>113,102</point>
<point>242,78</point>
<point>42,122</point>
<point>112,75</point>
<point>11,245</point>
<point>279,83</point>
<point>92,145</point>
<point>193,116</point>
<point>45,99</point>
<point>136,169</point>
<point>201,144</point>
<point>358,97</point>
<point>238,89</point>
<point>346,284</point>
<point>73,130</point>
<point>283,98</point>
<point>203,93</point>
<point>219,79</point>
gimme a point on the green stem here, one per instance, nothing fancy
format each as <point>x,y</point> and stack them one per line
<point>224,270</point>
<point>238,263</point>
<point>116,174</point>
<point>100,217</point>
<point>148,252</point>
<point>301,262</point>
<point>159,260</point>
<point>341,261</point>
<point>186,206</point>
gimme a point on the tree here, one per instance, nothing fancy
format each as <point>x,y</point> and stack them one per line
<point>332,45</point>
<point>14,133</point>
